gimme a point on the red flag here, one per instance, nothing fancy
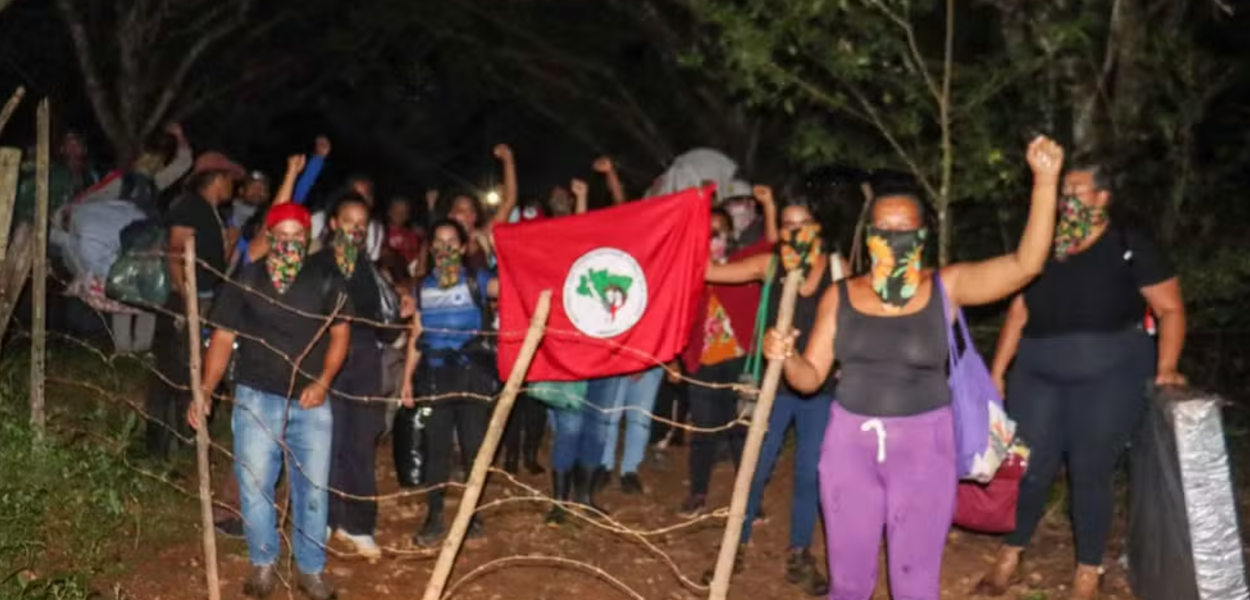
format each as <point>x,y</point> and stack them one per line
<point>624,280</point>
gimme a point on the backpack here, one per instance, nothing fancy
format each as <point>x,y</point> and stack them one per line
<point>486,342</point>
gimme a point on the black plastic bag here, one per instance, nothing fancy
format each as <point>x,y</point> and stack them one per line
<point>408,443</point>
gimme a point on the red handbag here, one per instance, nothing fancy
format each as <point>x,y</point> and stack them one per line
<point>991,508</point>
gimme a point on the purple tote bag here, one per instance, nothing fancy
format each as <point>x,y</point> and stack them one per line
<point>983,433</point>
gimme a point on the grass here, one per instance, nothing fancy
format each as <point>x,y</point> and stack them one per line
<point>73,506</point>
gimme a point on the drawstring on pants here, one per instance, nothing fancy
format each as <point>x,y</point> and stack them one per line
<point>879,427</point>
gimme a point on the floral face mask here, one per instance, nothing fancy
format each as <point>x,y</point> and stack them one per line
<point>800,248</point>
<point>1076,222</point>
<point>347,245</point>
<point>284,261</point>
<point>896,264</point>
<point>447,260</point>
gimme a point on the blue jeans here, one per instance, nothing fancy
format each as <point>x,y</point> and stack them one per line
<point>262,423</point>
<point>810,416</point>
<point>580,431</point>
<point>639,398</point>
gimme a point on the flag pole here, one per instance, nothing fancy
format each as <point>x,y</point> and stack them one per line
<point>481,464</point>
<point>751,452</point>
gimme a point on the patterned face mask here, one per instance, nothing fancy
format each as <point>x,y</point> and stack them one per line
<point>347,245</point>
<point>447,261</point>
<point>800,248</point>
<point>284,261</point>
<point>896,264</point>
<point>1076,222</point>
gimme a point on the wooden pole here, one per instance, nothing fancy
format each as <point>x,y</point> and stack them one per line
<point>10,172</point>
<point>39,273</point>
<point>481,464</point>
<point>14,272</point>
<point>202,442</point>
<point>751,452</point>
<point>11,106</point>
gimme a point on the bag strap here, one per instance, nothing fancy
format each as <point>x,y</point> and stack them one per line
<point>479,299</point>
<point>940,289</point>
<point>755,361</point>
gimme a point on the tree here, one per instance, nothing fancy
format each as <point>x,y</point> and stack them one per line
<point>139,57</point>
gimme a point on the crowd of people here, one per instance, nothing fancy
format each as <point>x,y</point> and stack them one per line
<point>331,327</point>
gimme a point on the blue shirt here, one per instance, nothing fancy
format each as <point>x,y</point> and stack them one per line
<point>452,309</point>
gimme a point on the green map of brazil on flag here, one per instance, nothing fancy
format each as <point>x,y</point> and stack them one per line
<point>625,282</point>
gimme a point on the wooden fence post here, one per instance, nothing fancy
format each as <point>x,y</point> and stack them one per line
<point>39,273</point>
<point>751,452</point>
<point>10,172</point>
<point>202,441</point>
<point>481,464</point>
<point>11,106</point>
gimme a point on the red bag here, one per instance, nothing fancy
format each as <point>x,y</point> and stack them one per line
<point>991,508</point>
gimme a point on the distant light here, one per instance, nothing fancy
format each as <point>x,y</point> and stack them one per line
<point>492,198</point>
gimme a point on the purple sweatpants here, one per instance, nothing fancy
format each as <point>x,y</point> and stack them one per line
<point>887,473</point>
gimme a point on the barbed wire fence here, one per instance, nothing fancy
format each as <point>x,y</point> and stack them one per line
<point>441,584</point>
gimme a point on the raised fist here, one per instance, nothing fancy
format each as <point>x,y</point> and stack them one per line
<point>295,164</point>
<point>503,152</point>
<point>1045,157</point>
<point>175,129</point>
<point>604,165</point>
<point>579,188</point>
<point>763,194</point>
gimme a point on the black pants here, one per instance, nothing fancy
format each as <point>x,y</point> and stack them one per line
<point>357,426</point>
<point>451,420</point>
<point>1077,396</point>
<point>526,427</point>
<point>709,408</point>
<point>670,403</point>
<point>169,394</point>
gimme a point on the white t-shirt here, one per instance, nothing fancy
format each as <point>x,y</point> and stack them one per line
<point>373,237</point>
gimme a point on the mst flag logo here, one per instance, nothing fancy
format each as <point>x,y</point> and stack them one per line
<point>605,293</point>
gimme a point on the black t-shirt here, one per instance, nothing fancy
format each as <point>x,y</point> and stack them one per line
<point>192,210</point>
<point>1099,289</point>
<point>805,310</point>
<point>262,313</point>
<point>362,290</point>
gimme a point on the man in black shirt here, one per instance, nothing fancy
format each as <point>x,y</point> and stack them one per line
<point>289,320</point>
<point>192,216</point>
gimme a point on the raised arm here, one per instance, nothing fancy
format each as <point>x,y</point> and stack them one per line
<point>605,167</point>
<point>581,193</point>
<point>808,371</point>
<point>508,162</point>
<point>295,164</point>
<point>753,268</point>
<point>312,170</point>
<point>1009,341</point>
<point>764,195</point>
<point>183,160</point>
<point>971,284</point>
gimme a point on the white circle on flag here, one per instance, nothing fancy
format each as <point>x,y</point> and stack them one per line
<point>605,293</point>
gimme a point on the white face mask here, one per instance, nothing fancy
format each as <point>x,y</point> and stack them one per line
<point>742,214</point>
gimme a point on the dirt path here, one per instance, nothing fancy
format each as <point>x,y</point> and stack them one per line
<point>515,529</point>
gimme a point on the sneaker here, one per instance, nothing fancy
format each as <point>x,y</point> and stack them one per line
<point>692,507</point>
<point>364,545</point>
<point>231,527</point>
<point>801,571</point>
<point>315,587</point>
<point>260,582</point>
<point>630,484</point>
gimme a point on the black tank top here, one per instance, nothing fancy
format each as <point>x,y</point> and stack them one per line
<point>805,309</point>
<point>892,366</point>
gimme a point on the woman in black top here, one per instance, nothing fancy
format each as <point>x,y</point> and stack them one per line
<point>1079,380</point>
<point>888,461</point>
<point>358,423</point>
<point>800,248</point>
